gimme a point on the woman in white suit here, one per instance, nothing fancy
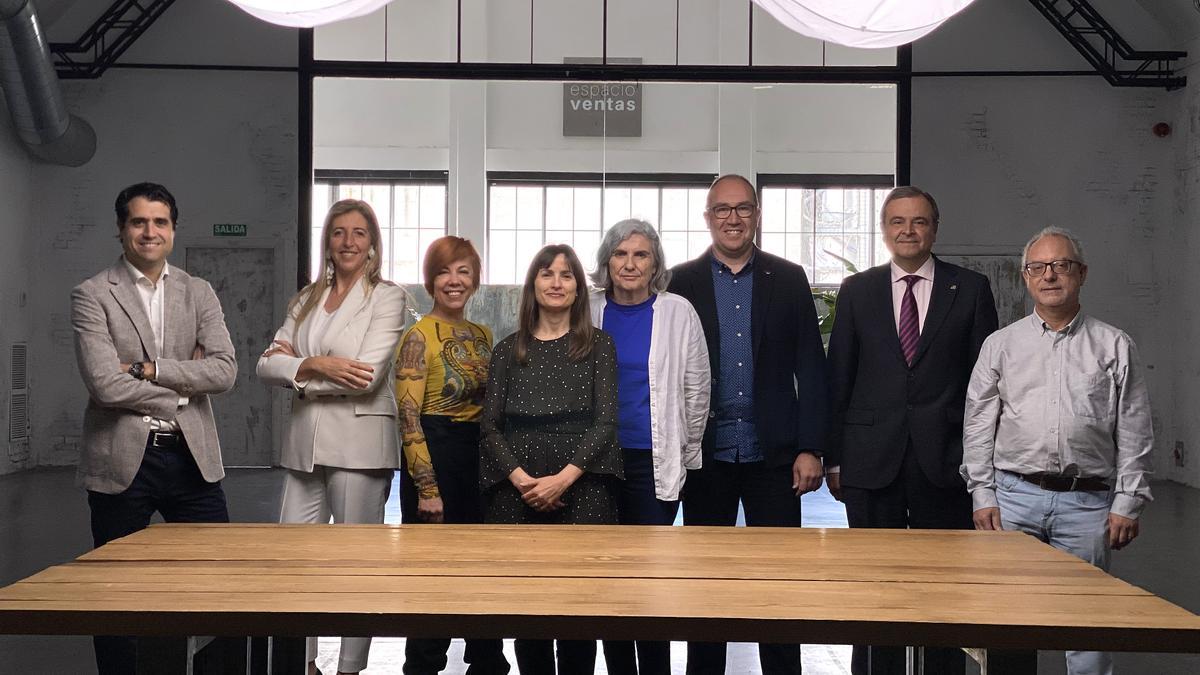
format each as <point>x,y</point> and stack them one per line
<point>335,350</point>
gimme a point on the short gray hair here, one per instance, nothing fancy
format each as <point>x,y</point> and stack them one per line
<point>1054,231</point>
<point>613,238</point>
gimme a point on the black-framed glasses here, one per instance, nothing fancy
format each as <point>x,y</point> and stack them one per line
<point>1037,269</point>
<point>723,211</point>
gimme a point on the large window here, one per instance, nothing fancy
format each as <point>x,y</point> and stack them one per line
<point>526,212</point>
<point>827,224</point>
<point>411,208</point>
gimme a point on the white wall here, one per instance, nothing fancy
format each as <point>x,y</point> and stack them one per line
<point>19,228</point>
<point>1177,244</point>
<point>223,142</point>
<point>1008,156</point>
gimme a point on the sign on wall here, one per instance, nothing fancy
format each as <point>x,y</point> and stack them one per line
<point>229,230</point>
<point>602,108</point>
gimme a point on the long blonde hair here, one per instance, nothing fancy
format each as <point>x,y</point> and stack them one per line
<point>303,302</point>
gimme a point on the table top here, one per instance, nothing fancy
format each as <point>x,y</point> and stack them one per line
<point>947,588</point>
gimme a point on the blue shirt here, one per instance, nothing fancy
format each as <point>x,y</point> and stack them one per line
<point>629,326</point>
<point>735,437</point>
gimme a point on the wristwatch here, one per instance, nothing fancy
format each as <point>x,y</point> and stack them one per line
<point>137,370</point>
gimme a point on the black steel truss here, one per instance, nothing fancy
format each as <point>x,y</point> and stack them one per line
<point>1109,53</point>
<point>103,43</point>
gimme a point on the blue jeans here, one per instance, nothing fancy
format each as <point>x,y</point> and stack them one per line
<point>1075,522</point>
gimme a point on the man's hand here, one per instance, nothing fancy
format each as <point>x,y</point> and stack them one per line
<point>198,353</point>
<point>1121,531</point>
<point>834,481</point>
<point>987,518</point>
<point>430,510</point>
<point>806,473</point>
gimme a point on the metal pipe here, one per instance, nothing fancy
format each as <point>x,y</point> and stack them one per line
<point>33,93</point>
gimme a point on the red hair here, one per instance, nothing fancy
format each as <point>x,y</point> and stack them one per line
<point>446,250</point>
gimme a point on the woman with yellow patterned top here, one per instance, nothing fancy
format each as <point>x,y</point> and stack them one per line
<point>441,375</point>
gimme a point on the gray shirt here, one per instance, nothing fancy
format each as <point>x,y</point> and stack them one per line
<point>1070,402</point>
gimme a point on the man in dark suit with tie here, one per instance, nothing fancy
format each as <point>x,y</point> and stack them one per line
<point>905,338</point>
<point>767,425</point>
<point>152,347</point>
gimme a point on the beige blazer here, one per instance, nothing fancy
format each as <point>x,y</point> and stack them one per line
<point>331,426</point>
<point>111,328</point>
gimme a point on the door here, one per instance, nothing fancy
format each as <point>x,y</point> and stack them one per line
<point>244,280</point>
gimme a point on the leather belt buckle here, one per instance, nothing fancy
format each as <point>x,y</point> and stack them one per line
<point>164,439</point>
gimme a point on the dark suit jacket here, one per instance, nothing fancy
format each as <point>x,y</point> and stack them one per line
<point>789,361</point>
<point>878,401</point>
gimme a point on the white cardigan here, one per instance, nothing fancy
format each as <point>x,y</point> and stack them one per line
<point>680,387</point>
<point>330,425</point>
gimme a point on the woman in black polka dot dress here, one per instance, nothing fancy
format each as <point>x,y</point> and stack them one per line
<point>549,450</point>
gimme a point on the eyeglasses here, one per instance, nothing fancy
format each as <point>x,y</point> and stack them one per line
<point>723,211</point>
<point>1037,269</point>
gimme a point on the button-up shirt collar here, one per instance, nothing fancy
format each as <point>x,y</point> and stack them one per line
<point>922,290</point>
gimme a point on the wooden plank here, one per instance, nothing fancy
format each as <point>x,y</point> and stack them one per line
<point>1032,574</point>
<point>882,602</point>
<point>996,590</point>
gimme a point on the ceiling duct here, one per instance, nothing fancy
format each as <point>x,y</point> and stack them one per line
<point>33,94</point>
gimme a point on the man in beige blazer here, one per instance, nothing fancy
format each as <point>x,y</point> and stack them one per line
<point>151,345</point>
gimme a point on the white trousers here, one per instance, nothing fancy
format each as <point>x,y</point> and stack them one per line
<point>350,496</point>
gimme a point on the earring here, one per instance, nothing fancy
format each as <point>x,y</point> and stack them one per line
<point>371,253</point>
<point>328,271</point>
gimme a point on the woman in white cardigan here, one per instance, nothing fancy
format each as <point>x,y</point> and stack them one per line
<point>335,351</point>
<point>663,390</point>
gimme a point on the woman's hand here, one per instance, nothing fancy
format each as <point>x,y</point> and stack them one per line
<point>277,347</point>
<point>546,493</point>
<point>521,480</point>
<point>338,370</point>
<point>430,510</point>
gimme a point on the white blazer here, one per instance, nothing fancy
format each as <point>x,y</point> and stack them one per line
<point>332,426</point>
<point>680,388</point>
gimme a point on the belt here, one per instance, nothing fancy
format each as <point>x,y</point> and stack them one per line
<point>168,440</point>
<point>1059,483</point>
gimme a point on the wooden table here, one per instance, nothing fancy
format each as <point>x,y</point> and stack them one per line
<point>995,590</point>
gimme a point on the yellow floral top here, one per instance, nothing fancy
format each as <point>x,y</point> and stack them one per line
<point>441,369</point>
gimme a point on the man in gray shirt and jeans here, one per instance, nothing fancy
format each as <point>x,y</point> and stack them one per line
<point>1057,433</point>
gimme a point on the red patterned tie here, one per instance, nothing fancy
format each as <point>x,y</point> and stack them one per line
<point>910,324</point>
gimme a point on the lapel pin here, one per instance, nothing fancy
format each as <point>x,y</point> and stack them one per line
<point>953,286</point>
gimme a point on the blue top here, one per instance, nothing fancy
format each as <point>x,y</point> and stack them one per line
<point>735,437</point>
<point>629,326</point>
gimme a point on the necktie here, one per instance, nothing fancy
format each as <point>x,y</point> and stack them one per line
<point>910,324</point>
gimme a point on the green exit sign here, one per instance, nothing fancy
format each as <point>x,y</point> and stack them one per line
<point>229,230</point>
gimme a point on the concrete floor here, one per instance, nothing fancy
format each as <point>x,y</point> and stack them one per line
<point>44,521</point>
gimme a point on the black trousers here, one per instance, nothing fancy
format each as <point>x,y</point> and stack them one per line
<point>710,497</point>
<point>454,451</point>
<point>911,500</point>
<point>169,482</point>
<point>538,657</point>
<point>640,506</point>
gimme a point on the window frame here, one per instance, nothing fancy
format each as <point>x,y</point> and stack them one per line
<point>334,178</point>
<point>822,181</point>
<point>546,179</point>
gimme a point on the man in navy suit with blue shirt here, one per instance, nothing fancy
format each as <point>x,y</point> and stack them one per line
<point>905,338</point>
<point>767,425</point>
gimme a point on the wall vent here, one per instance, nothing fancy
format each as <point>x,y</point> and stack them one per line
<point>18,400</point>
